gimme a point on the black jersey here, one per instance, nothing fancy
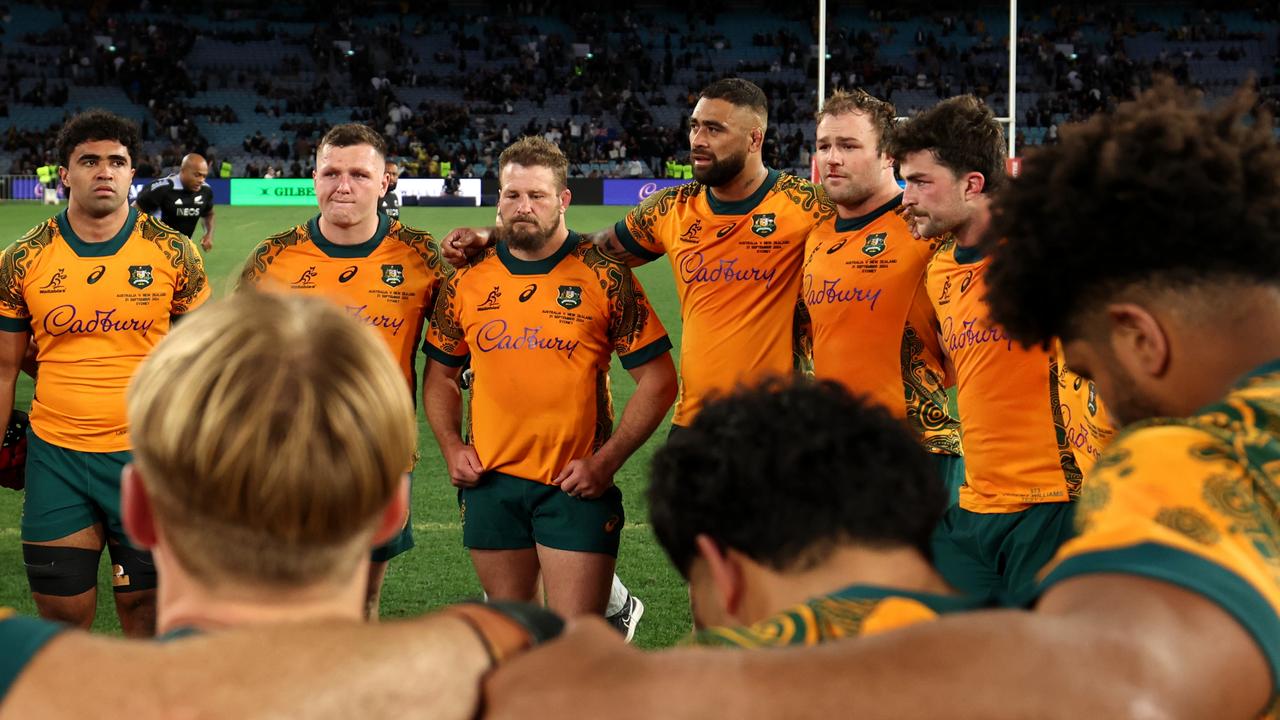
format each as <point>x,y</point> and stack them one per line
<point>176,206</point>
<point>389,205</point>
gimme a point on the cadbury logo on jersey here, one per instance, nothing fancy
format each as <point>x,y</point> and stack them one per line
<point>393,275</point>
<point>493,336</point>
<point>64,320</point>
<point>140,276</point>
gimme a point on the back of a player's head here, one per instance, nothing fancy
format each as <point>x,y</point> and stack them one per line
<point>788,472</point>
<point>739,93</point>
<point>93,125</point>
<point>879,113</point>
<point>536,151</point>
<point>963,135</point>
<point>1160,196</point>
<point>352,134</point>
<point>271,433</point>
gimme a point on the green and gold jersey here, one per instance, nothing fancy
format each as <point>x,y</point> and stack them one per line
<point>1194,502</point>
<point>20,639</point>
<point>855,611</point>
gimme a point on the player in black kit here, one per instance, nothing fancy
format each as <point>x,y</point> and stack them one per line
<point>389,205</point>
<point>181,200</point>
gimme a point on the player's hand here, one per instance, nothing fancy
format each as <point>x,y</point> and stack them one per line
<point>462,243</point>
<point>464,466</point>
<point>206,242</point>
<point>584,478</point>
<point>548,682</point>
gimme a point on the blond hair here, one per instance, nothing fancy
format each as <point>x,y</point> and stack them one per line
<point>271,433</point>
<point>879,113</point>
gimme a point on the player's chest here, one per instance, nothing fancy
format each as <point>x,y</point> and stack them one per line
<point>747,250</point>
<point>378,281</point>
<point>185,205</point>
<point>957,293</point>
<point>860,269</point>
<point>67,294</point>
<point>569,306</point>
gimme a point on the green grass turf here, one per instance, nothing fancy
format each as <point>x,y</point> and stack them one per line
<point>437,571</point>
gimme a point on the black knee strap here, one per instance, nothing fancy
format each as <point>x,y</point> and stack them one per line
<point>131,569</point>
<point>61,571</point>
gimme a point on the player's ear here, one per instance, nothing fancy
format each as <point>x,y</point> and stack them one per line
<point>566,197</point>
<point>974,182</point>
<point>135,506</point>
<point>395,515</point>
<point>1138,340</point>
<point>726,573</point>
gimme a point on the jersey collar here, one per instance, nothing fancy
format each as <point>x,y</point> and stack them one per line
<point>362,250</point>
<point>1268,368</point>
<point>937,603</point>
<point>96,249</point>
<point>857,223</point>
<point>516,266</point>
<point>745,205</point>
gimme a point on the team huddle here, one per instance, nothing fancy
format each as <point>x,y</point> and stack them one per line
<point>1014,556</point>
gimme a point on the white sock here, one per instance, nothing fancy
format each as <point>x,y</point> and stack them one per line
<point>618,596</point>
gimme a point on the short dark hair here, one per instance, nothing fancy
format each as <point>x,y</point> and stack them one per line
<point>350,134</point>
<point>94,125</point>
<point>739,93</point>
<point>880,113</point>
<point>1160,194</point>
<point>536,151</point>
<point>786,472</point>
<point>963,135</point>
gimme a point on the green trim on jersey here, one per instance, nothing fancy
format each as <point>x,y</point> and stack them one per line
<point>96,249</point>
<point>361,250</point>
<point>629,242</point>
<point>517,266</point>
<point>747,204</point>
<point>22,638</point>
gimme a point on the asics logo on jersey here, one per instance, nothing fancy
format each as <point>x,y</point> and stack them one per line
<point>347,274</point>
<point>726,229</point>
<point>964,284</point>
<point>528,292</point>
<point>837,246</point>
<point>55,282</point>
<point>96,275</point>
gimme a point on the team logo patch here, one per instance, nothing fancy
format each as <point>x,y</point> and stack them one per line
<point>349,273</point>
<point>393,275</point>
<point>491,302</point>
<point>55,282</point>
<point>691,235</point>
<point>528,292</point>
<point>570,296</point>
<point>140,276</point>
<point>763,224</point>
<point>874,244</point>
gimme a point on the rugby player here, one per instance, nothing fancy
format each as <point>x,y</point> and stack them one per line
<point>539,315</point>
<point>851,502</point>
<point>870,320</point>
<point>385,274</point>
<point>97,286</point>
<point>182,200</point>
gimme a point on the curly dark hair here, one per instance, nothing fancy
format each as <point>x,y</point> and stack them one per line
<point>786,472</point>
<point>1160,194</point>
<point>964,136</point>
<point>94,125</point>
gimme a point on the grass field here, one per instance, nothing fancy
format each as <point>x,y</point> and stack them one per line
<point>437,572</point>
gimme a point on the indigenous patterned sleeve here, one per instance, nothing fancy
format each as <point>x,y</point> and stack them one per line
<point>642,231</point>
<point>1186,505</point>
<point>446,342</point>
<point>635,331</point>
<point>14,263</point>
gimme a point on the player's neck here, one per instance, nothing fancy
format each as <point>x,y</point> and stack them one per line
<point>886,192</point>
<point>182,602</point>
<point>353,235</point>
<point>970,233</point>
<point>96,229</point>
<point>549,248</point>
<point>901,569</point>
<point>744,184</point>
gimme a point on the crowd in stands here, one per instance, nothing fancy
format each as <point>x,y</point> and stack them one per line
<point>612,88</point>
